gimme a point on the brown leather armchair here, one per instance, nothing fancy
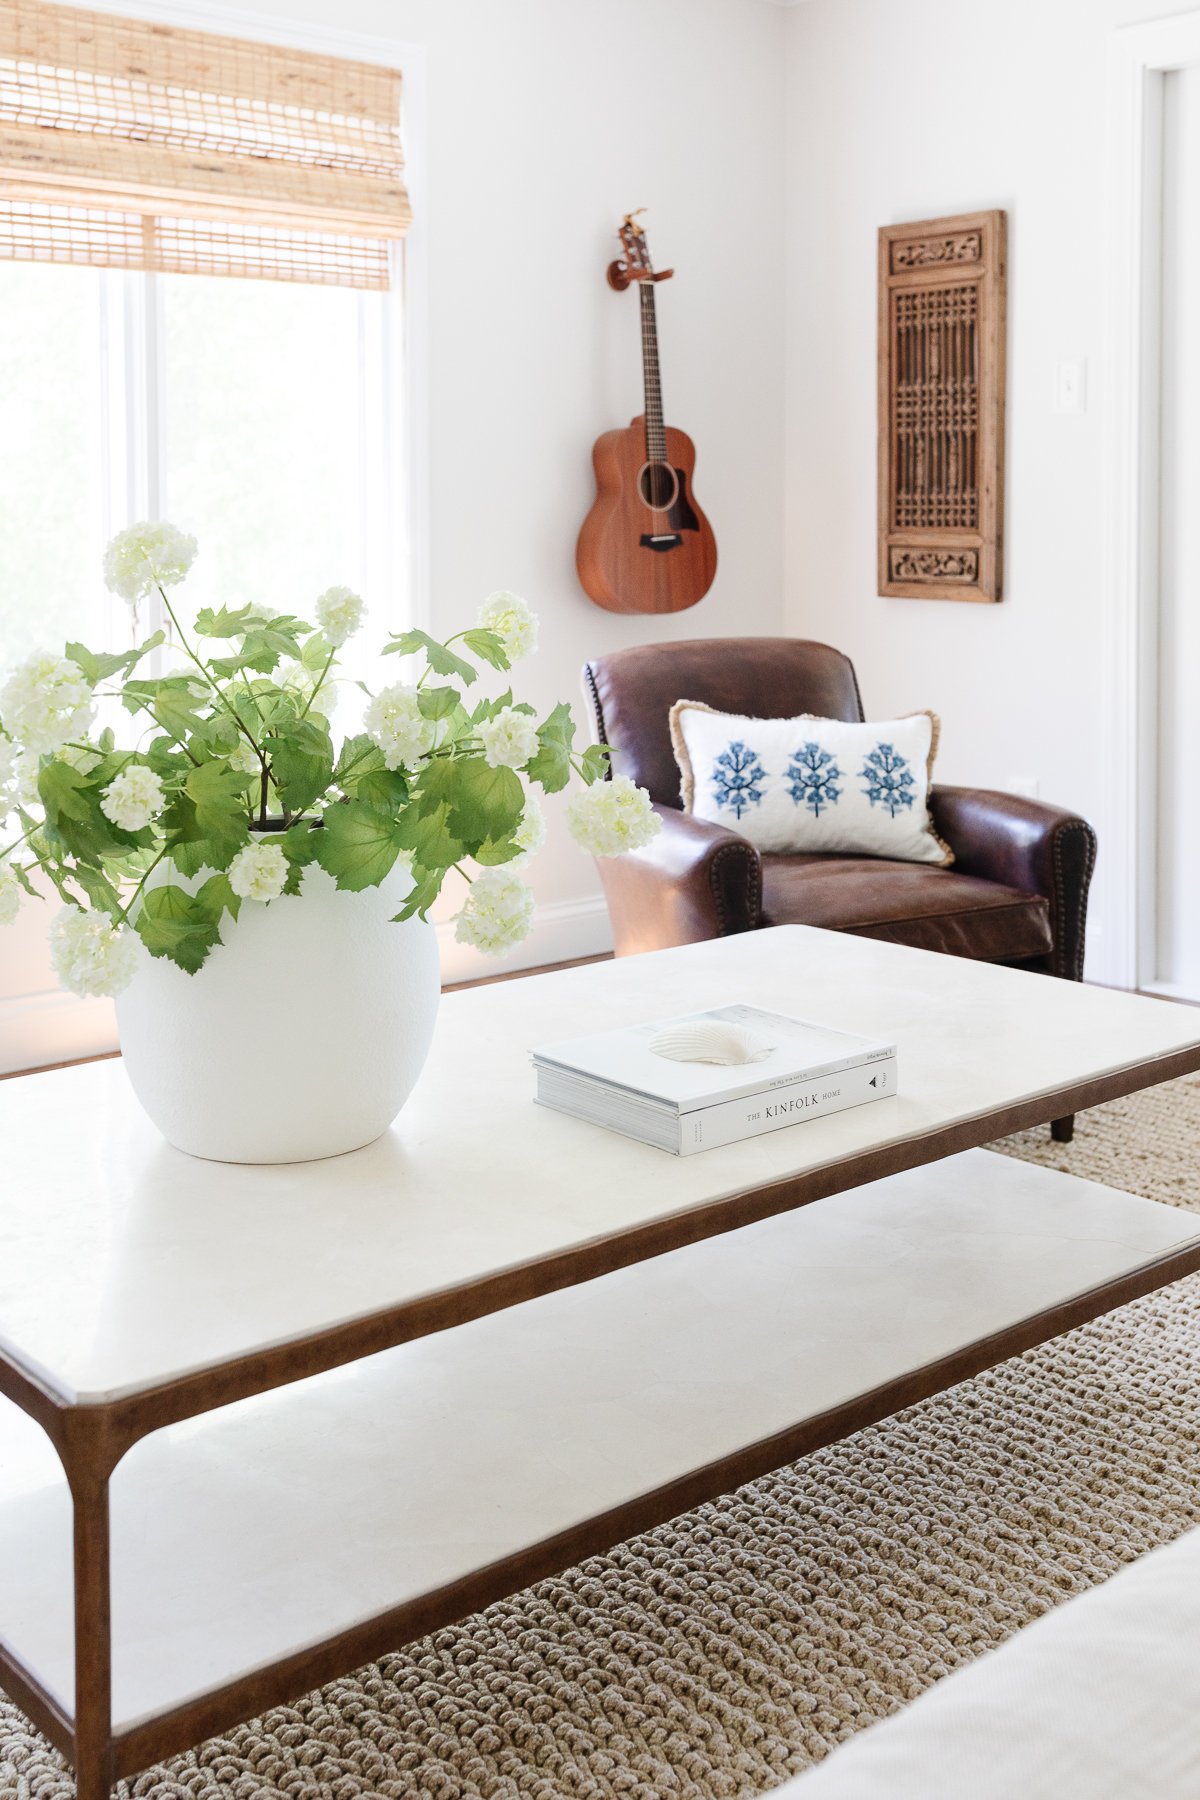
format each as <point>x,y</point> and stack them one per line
<point>1016,892</point>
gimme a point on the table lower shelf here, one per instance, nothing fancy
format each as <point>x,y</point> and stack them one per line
<point>412,1487</point>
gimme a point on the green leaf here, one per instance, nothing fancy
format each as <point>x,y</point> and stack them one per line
<point>482,803</point>
<point>299,844</point>
<point>99,666</point>
<point>206,822</point>
<point>224,623</point>
<point>218,893</point>
<point>490,854</point>
<point>487,709</point>
<point>427,885</point>
<point>315,653</point>
<point>594,762</point>
<point>74,822</point>
<point>425,832</point>
<point>301,762</point>
<point>360,755</point>
<point>488,646</point>
<point>386,789</point>
<point>438,702</point>
<point>551,765</point>
<point>267,642</point>
<point>357,845</point>
<point>98,888</point>
<point>169,701</point>
<point>183,927</point>
<point>218,793</point>
<point>441,660</point>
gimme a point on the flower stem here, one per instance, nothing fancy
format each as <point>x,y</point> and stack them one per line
<point>320,682</point>
<point>223,700</point>
<point>127,908</point>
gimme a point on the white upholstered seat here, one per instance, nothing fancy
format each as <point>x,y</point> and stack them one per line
<point>1098,1700</point>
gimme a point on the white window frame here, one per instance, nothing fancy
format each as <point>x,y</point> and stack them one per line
<point>1141,58</point>
<point>42,1028</point>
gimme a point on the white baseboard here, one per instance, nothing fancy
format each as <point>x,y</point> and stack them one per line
<point>55,1027</point>
<point>560,933</point>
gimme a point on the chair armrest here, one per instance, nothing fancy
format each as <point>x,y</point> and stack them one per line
<point>695,881</point>
<point>1024,844</point>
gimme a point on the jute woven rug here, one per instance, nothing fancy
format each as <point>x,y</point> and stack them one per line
<point>737,1645</point>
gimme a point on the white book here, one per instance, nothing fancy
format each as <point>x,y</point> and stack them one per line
<point>615,1079</point>
<point>726,1122</point>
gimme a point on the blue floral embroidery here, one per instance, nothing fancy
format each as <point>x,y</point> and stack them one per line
<point>814,775</point>
<point>737,779</point>
<point>888,779</point>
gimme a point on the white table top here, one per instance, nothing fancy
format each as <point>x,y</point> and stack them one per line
<point>274,1524</point>
<point>124,1263</point>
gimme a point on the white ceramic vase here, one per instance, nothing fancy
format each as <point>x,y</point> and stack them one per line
<point>301,1037</point>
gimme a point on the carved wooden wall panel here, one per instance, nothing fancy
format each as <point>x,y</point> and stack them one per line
<point>941,407</point>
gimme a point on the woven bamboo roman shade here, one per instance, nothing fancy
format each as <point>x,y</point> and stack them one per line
<point>134,145</point>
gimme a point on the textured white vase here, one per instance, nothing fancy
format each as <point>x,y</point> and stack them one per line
<point>303,1034</point>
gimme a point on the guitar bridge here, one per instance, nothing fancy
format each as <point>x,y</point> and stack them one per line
<point>661,540</point>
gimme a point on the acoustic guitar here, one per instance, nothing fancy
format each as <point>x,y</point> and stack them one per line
<point>645,546</point>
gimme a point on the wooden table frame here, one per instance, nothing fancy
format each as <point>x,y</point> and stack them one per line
<point>91,1439</point>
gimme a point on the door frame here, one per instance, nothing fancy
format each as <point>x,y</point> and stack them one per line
<point>1141,57</point>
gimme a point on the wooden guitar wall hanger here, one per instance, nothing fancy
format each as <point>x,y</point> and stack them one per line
<point>645,546</point>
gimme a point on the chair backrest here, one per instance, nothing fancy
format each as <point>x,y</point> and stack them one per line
<point>632,693</point>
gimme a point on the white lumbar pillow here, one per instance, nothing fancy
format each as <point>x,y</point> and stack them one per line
<point>811,784</point>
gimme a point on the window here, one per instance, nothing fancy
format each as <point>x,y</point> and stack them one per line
<point>212,339</point>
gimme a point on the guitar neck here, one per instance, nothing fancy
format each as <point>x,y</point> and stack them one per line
<point>656,431</point>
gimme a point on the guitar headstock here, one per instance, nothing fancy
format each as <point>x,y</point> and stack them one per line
<point>634,264</point>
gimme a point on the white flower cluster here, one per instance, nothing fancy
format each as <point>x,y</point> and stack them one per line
<point>245,758</point>
<point>340,613</point>
<point>513,622</point>
<point>530,834</point>
<point>132,798</point>
<point>146,556</point>
<point>611,817</point>
<point>510,739</point>
<point>393,720</point>
<point>90,954</point>
<point>258,872</point>
<point>497,912</point>
<point>45,702</point>
<point>10,894</point>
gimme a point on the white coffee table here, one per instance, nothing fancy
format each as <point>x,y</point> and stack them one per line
<point>307,1413</point>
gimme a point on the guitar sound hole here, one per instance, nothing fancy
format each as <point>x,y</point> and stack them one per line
<point>658,485</point>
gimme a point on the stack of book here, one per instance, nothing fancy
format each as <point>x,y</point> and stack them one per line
<point>616,1079</point>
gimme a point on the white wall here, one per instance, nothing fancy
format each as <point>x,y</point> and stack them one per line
<point>545,121</point>
<point>908,109</point>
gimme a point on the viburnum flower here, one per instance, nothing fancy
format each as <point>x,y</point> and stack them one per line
<point>340,613</point>
<point>259,872</point>
<point>132,798</point>
<point>10,894</point>
<point>394,721</point>
<point>245,758</point>
<point>530,834</point>
<point>146,556</point>
<point>8,760</point>
<point>612,816</point>
<point>90,954</point>
<point>513,622</point>
<point>497,912</point>
<point>45,702</point>
<point>25,793</point>
<point>509,740</point>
